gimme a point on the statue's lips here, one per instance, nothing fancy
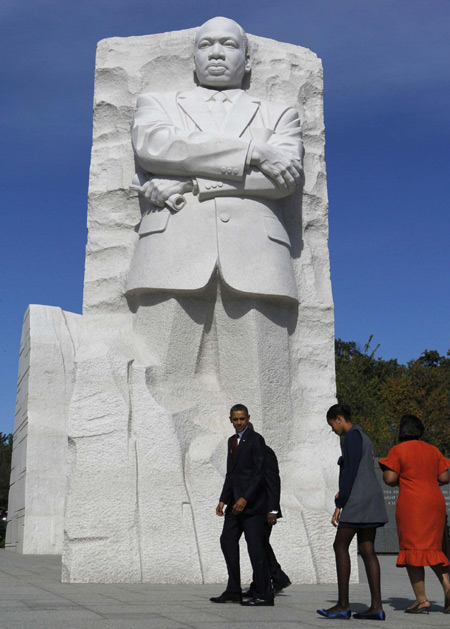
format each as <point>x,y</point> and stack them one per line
<point>217,69</point>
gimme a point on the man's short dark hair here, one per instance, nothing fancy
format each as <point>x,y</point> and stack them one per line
<point>239,407</point>
<point>339,409</point>
<point>410,428</point>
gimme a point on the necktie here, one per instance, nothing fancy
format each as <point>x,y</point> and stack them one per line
<point>234,446</point>
<point>218,111</point>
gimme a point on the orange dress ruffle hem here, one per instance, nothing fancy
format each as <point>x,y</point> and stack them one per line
<point>421,558</point>
<point>420,510</point>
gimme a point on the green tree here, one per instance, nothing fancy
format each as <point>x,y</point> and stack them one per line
<point>380,392</point>
<point>5,470</point>
<point>5,467</point>
<point>359,380</point>
<point>423,389</point>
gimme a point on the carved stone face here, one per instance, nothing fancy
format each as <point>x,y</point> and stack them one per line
<point>220,56</point>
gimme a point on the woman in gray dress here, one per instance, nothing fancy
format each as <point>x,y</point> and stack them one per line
<point>359,511</point>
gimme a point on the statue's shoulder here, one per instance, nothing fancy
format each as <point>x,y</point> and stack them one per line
<point>165,99</point>
<point>276,111</point>
<point>150,98</point>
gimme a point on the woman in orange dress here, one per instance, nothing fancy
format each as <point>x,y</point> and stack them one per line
<point>419,468</point>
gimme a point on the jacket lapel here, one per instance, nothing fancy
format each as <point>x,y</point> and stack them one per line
<point>241,114</point>
<point>194,105</point>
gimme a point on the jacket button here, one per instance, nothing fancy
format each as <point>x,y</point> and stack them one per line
<point>208,186</point>
<point>214,185</point>
<point>235,171</point>
<point>224,217</point>
<point>220,184</point>
<point>224,170</point>
<point>229,171</point>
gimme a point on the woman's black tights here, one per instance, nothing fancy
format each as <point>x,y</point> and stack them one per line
<point>366,539</point>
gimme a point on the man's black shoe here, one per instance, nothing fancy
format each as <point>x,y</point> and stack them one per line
<point>248,594</point>
<point>227,597</point>
<point>259,602</point>
<point>277,587</point>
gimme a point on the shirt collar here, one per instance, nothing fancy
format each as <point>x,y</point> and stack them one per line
<point>239,434</point>
<point>208,93</point>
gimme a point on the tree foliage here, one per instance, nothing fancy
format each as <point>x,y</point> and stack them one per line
<point>5,467</point>
<point>423,389</point>
<point>5,470</point>
<point>381,391</point>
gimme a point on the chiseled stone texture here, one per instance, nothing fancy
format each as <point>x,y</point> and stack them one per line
<point>147,453</point>
<point>39,458</point>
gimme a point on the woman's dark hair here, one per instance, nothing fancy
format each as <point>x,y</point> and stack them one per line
<point>339,409</point>
<point>410,428</point>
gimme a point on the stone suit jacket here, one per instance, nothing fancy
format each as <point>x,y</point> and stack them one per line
<point>234,222</point>
<point>245,475</point>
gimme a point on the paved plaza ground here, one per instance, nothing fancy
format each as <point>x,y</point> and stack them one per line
<point>32,596</point>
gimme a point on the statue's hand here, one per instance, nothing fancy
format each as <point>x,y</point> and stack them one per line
<point>284,169</point>
<point>158,190</point>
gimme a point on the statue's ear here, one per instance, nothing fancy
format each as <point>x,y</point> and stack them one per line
<point>248,65</point>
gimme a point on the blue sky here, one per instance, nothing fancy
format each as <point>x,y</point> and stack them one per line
<point>387,103</point>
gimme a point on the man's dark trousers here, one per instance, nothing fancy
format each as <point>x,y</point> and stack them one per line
<point>278,576</point>
<point>253,528</point>
<point>276,573</point>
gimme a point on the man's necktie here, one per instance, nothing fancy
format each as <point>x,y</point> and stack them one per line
<point>218,111</point>
<point>234,446</point>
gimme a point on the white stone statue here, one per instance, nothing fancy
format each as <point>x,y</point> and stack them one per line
<point>207,284</point>
<point>219,270</point>
<point>231,156</point>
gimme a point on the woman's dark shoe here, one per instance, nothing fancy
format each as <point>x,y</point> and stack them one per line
<point>345,615</point>
<point>374,616</point>
<point>227,597</point>
<point>419,608</point>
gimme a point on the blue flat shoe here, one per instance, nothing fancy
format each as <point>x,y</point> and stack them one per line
<point>376,616</point>
<point>336,615</point>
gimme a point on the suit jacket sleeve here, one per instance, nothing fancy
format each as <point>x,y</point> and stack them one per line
<point>258,460</point>
<point>227,491</point>
<point>288,138</point>
<point>273,482</point>
<point>349,464</point>
<point>162,148</point>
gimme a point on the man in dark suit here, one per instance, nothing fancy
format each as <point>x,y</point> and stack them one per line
<point>244,493</point>
<point>280,580</point>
